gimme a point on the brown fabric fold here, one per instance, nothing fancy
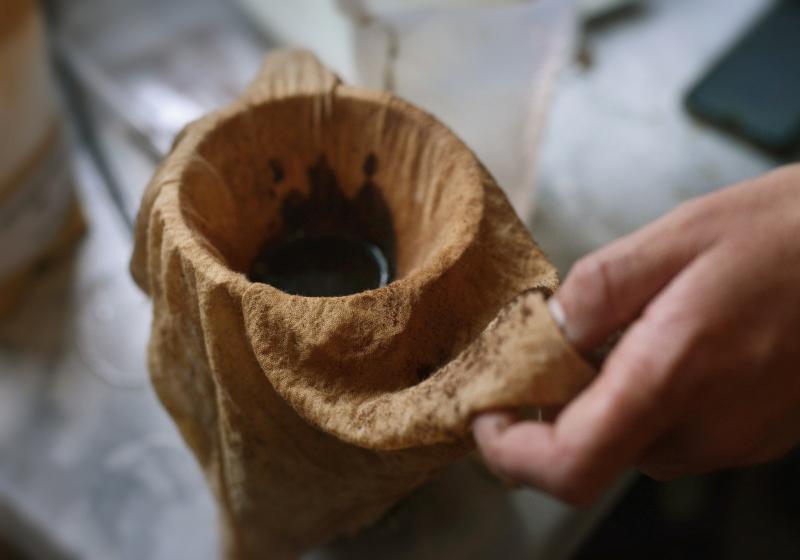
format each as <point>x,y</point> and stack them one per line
<point>312,416</point>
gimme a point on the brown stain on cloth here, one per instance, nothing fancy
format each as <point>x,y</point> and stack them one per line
<point>326,209</point>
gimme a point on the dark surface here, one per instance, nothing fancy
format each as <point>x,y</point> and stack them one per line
<point>9,552</point>
<point>754,90</point>
<point>321,266</point>
<point>737,514</point>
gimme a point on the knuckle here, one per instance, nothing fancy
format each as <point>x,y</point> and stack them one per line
<point>611,409</point>
<point>634,365</point>
<point>674,317</point>
<point>676,320</point>
<point>582,275</point>
<point>583,269</point>
<point>664,362</point>
<point>592,279</point>
<point>592,273</point>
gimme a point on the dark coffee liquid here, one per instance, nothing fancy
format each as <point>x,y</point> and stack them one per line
<point>329,244</point>
<point>322,265</point>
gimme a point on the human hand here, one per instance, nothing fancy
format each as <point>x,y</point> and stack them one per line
<point>706,376</point>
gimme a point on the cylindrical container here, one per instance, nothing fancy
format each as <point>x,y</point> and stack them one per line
<point>39,215</point>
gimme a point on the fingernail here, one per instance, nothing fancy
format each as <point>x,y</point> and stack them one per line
<point>495,422</point>
<point>558,315</point>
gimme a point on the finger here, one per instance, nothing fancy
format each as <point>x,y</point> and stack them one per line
<point>485,429</point>
<point>598,436</point>
<point>507,446</point>
<point>608,289</point>
<point>708,430</point>
<point>608,427</point>
<point>487,425</point>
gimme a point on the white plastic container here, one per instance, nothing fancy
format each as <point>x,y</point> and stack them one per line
<point>484,67</point>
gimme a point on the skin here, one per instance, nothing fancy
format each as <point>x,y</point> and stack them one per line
<point>707,374</point>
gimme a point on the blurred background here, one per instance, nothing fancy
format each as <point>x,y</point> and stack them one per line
<point>595,116</point>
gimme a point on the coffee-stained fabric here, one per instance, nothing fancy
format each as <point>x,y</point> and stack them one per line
<point>312,416</point>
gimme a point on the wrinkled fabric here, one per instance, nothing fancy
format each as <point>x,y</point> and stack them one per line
<point>312,416</point>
